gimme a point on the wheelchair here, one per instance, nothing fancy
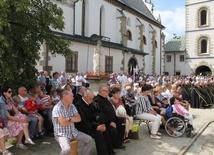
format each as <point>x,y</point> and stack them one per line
<point>178,124</point>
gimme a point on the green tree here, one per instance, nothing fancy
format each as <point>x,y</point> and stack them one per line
<point>24,26</point>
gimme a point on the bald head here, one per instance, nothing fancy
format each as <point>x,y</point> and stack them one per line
<point>88,96</point>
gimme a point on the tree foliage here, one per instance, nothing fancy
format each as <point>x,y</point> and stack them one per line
<point>24,26</point>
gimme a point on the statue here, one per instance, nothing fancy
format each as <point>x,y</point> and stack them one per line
<point>97,58</point>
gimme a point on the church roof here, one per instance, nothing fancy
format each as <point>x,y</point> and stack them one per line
<point>177,44</point>
<point>140,7</point>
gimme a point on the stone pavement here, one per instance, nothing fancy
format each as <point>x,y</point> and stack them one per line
<point>145,145</point>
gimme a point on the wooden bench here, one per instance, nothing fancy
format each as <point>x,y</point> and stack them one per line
<point>74,147</point>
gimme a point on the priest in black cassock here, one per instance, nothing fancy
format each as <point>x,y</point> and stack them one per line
<point>90,126</point>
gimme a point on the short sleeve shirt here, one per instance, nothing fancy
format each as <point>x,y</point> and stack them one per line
<point>69,131</point>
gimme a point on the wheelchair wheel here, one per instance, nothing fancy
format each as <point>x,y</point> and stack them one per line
<point>175,127</point>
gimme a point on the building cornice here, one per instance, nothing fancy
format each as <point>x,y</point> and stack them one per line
<point>107,44</point>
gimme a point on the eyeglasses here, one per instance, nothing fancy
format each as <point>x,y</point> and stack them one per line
<point>9,91</point>
<point>106,91</point>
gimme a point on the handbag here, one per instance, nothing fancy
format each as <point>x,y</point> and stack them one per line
<point>134,132</point>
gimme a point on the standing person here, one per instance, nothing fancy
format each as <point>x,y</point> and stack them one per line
<point>124,79</point>
<point>79,80</point>
<point>63,79</point>
<point>41,78</point>
<point>116,130</point>
<point>47,86</point>
<point>89,125</point>
<point>54,81</point>
<point>64,116</point>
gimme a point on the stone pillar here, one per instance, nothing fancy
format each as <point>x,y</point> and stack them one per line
<point>153,52</point>
<point>123,30</point>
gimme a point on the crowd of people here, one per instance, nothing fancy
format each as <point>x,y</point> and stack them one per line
<point>67,109</point>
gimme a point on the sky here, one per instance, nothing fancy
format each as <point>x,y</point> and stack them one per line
<point>172,14</point>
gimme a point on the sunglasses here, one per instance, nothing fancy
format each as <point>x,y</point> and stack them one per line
<point>9,91</point>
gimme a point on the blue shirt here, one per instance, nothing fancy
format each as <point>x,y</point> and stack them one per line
<point>3,110</point>
<point>69,131</point>
<point>54,83</point>
<point>42,79</point>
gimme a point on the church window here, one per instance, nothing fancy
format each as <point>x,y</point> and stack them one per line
<point>203,17</point>
<point>108,64</point>
<point>168,58</point>
<point>204,46</point>
<point>156,45</point>
<point>71,62</point>
<point>144,40</point>
<point>181,58</point>
<point>129,35</point>
<point>102,21</point>
<point>128,22</point>
<point>83,17</point>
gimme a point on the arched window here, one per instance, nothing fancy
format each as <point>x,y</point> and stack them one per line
<point>144,40</point>
<point>128,22</point>
<point>129,35</point>
<point>203,16</point>
<point>156,45</point>
<point>102,21</point>
<point>83,17</point>
<point>203,46</point>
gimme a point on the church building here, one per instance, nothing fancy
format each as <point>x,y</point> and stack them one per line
<point>108,36</point>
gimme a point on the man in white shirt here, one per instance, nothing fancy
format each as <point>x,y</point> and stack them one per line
<point>168,94</point>
<point>79,80</point>
<point>124,78</point>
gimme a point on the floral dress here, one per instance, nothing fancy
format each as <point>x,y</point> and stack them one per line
<point>3,129</point>
<point>14,126</point>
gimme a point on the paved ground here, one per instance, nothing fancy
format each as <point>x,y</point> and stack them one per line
<point>145,145</point>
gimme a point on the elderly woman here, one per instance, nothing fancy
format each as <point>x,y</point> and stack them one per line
<point>145,111</point>
<point>116,102</point>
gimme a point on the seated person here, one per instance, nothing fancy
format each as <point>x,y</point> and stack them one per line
<point>160,98</point>
<point>55,98</point>
<point>145,111</point>
<point>64,116</point>
<point>90,126</point>
<point>116,102</point>
<point>4,131</point>
<point>179,109</point>
<point>130,101</point>
<point>32,107</point>
<point>46,112</point>
<point>116,130</point>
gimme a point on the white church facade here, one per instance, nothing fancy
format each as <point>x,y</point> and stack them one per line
<point>194,54</point>
<point>124,33</point>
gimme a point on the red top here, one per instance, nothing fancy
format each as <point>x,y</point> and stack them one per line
<point>30,107</point>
